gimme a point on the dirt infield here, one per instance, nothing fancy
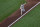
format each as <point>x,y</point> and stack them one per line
<point>16,15</point>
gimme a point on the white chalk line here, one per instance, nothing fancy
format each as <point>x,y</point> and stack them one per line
<point>24,14</point>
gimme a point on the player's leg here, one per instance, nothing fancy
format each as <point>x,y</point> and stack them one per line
<point>21,11</point>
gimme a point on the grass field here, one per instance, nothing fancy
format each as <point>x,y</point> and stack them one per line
<point>7,7</point>
<point>32,19</point>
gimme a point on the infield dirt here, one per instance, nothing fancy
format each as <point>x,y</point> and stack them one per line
<point>16,14</point>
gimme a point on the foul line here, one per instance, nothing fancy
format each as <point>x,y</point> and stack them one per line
<point>24,14</point>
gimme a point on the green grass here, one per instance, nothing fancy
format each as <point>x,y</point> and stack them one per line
<point>32,19</point>
<point>7,7</point>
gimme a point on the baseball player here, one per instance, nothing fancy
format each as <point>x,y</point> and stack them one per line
<point>22,8</point>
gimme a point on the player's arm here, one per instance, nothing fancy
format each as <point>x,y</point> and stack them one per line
<point>24,3</point>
